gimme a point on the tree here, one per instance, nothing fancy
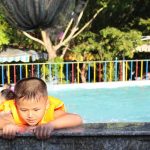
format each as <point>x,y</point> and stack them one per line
<point>85,49</point>
<point>107,45</point>
<point>4,31</point>
<point>122,14</point>
<point>14,38</point>
<point>70,33</point>
<point>116,43</point>
<point>144,25</point>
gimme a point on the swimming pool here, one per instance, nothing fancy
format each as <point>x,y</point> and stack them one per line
<point>124,104</point>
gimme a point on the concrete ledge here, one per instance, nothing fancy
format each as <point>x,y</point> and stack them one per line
<point>101,136</point>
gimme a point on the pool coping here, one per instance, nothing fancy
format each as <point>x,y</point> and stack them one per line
<point>124,136</point>
<point>116,84</point>
<point>101,129</point>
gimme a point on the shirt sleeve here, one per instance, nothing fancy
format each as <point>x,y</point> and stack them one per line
<point>58,104</point>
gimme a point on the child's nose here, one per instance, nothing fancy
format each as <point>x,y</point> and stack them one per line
<point>30,114</point>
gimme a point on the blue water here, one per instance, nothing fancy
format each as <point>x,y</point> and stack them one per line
<point>128,104</point>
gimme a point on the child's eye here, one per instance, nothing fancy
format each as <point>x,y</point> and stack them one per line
<point>23,110</point>
<point>36,109</point>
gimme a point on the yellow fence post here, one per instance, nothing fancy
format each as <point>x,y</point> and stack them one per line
<point>110,71</point>
<point>94,72</point>
<point>44,72</point>
<point>126,70</point>
<point>26,71</point>
<point>141,70</point>
<point>8,74</point>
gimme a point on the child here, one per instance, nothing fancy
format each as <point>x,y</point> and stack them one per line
<point>33,108</point>
<point>6,94</point>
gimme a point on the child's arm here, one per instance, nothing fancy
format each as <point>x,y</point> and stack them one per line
<point>65,120</point>
<point>62,120</point>
<point>8,128</point>
<point>5,118</point>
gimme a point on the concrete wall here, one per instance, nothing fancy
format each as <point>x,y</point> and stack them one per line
<point>103,136</point>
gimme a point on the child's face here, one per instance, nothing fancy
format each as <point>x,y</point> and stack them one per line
<point>32,111</point>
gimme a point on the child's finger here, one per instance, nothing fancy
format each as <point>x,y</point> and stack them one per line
<point>37,132</point>
<point>46,134</point>
<point>12,134</point>
<point>8,134</point>
<point>40,132</point>
<point>5,132</point>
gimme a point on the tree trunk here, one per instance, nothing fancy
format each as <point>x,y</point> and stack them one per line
<point>48,45</point>
<point>83,73</point>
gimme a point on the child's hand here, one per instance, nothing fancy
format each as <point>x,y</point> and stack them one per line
<point>26,129</point>
<point>9,131</point>
<point>43,131</point>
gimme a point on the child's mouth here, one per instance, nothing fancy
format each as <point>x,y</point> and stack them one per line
<point>31,121</point>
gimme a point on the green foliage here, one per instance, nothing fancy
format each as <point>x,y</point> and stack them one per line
<point>86,44</point>
<point>52,70</point>
<point>4,38</point>
<point>124,15</point>
<point>21,41</point>
<point>109,44</point>
<point>58,60</point>
<point>4,31</point>
<point>12,37</point>
<point>121,14</point>
<point>145,25</point>
<point>115,43</point>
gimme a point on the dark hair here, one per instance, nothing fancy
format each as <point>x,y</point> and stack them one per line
<point>7,94</point>
<point>30,88</point>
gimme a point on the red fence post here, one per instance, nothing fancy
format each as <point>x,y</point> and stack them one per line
<point>136,69</point>
<point>120,70</point>
<point>32,70</point>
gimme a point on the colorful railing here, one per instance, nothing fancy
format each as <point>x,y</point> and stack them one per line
<point>77,72</point>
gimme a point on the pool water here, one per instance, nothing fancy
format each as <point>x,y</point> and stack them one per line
<point>127,104</point>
